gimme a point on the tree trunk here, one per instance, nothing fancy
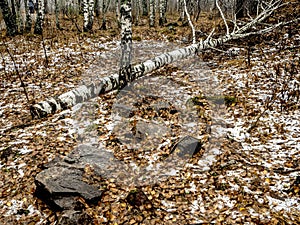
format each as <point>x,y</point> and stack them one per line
<point>181,10</point>
<point>126,42</point>
<point>104,10</point>
<point>28,23</point>
<point>38,29</point>
<point>88,15</point>
<point>145,7</point>
<point>9,18</point>
<point>97,8</point>
<point>116,81</point>
<point>19,18</point>
<point>152,13</point>
<point>162,12</point>
<point>137,12</point>
<point>57,15</point>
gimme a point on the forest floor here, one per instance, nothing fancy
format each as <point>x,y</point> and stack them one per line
<point>243,98</point>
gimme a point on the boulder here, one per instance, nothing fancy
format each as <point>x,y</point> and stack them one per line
<point>59,185</point>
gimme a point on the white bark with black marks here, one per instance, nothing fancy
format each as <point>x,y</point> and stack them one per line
<point>9,18</point>
<point>162,12</point>
<point>88,15</point>
<point>152,13</point>
<point>110,83</point>
<point>126,42</point>
<point>38,29</point>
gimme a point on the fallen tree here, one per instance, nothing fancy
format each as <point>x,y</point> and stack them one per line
<point>112,82</point>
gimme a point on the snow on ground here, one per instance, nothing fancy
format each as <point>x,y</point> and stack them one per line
<point>230,181</point>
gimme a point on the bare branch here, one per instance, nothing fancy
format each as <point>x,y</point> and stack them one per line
<point>190,22</point>
<point>223,17</point>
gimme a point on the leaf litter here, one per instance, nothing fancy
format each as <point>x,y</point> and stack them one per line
<point>246,173</point>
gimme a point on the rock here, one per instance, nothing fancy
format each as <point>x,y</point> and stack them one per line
<point>151,130</point>
<point>59,185</point>
<point>124,110</point>
<point>187,147</point>
<point>161,105</point>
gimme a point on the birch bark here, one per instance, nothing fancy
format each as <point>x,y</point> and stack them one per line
<point>38,28</point>
<point>114,81</point>
<point>10,21</point>
<point>88,15</point>
<point>152,13</point>
<point>126,42</point>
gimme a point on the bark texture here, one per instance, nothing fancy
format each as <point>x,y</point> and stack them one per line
<point>38,29</point>
<point>28,23</point>
<point>112,82</point>
<point>162,12</point>
<point>88,15</point>
<point>9,18</point>
<point>126,42</point>
<point>145,7</point>
<point>152,13</point>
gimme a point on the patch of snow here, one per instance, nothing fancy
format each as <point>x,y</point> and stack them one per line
<point>24,150</point>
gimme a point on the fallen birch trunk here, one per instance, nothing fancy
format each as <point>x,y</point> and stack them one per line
<point>109,83</point>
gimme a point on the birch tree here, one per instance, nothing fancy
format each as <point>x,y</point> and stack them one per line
<point>57,10</point>
<point>116,81</point>
<point>88,15</point>
<point>38,28</point>
<point>162,12</point>
<point>144,8</point>
<point>126,42</point>
<point>16,4</point>
<point>104,9</point>
<point>152,13</point>
<point>28,23</point>
<point>9,18</point>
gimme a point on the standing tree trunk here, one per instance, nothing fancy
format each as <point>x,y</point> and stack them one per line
<point>28,23</point>
<point>126,42</point>
<point>162,12</point>
<point>38,28</point>
<point>9,18</point>
<point>113,82</point>
<point>97,8</point>
<point>152,13</point>
<point>145,7</point>
<point>104,10</point>
<point>19,18</point>
<point>88,15</point>
<point>137,12</point>
<point>181,10</point>
<point>57,15</point>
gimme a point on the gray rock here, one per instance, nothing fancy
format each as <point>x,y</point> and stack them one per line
<point>124,110</point>
<point>187,147</point>
<point>58,186</point>
<point>161,105</point>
